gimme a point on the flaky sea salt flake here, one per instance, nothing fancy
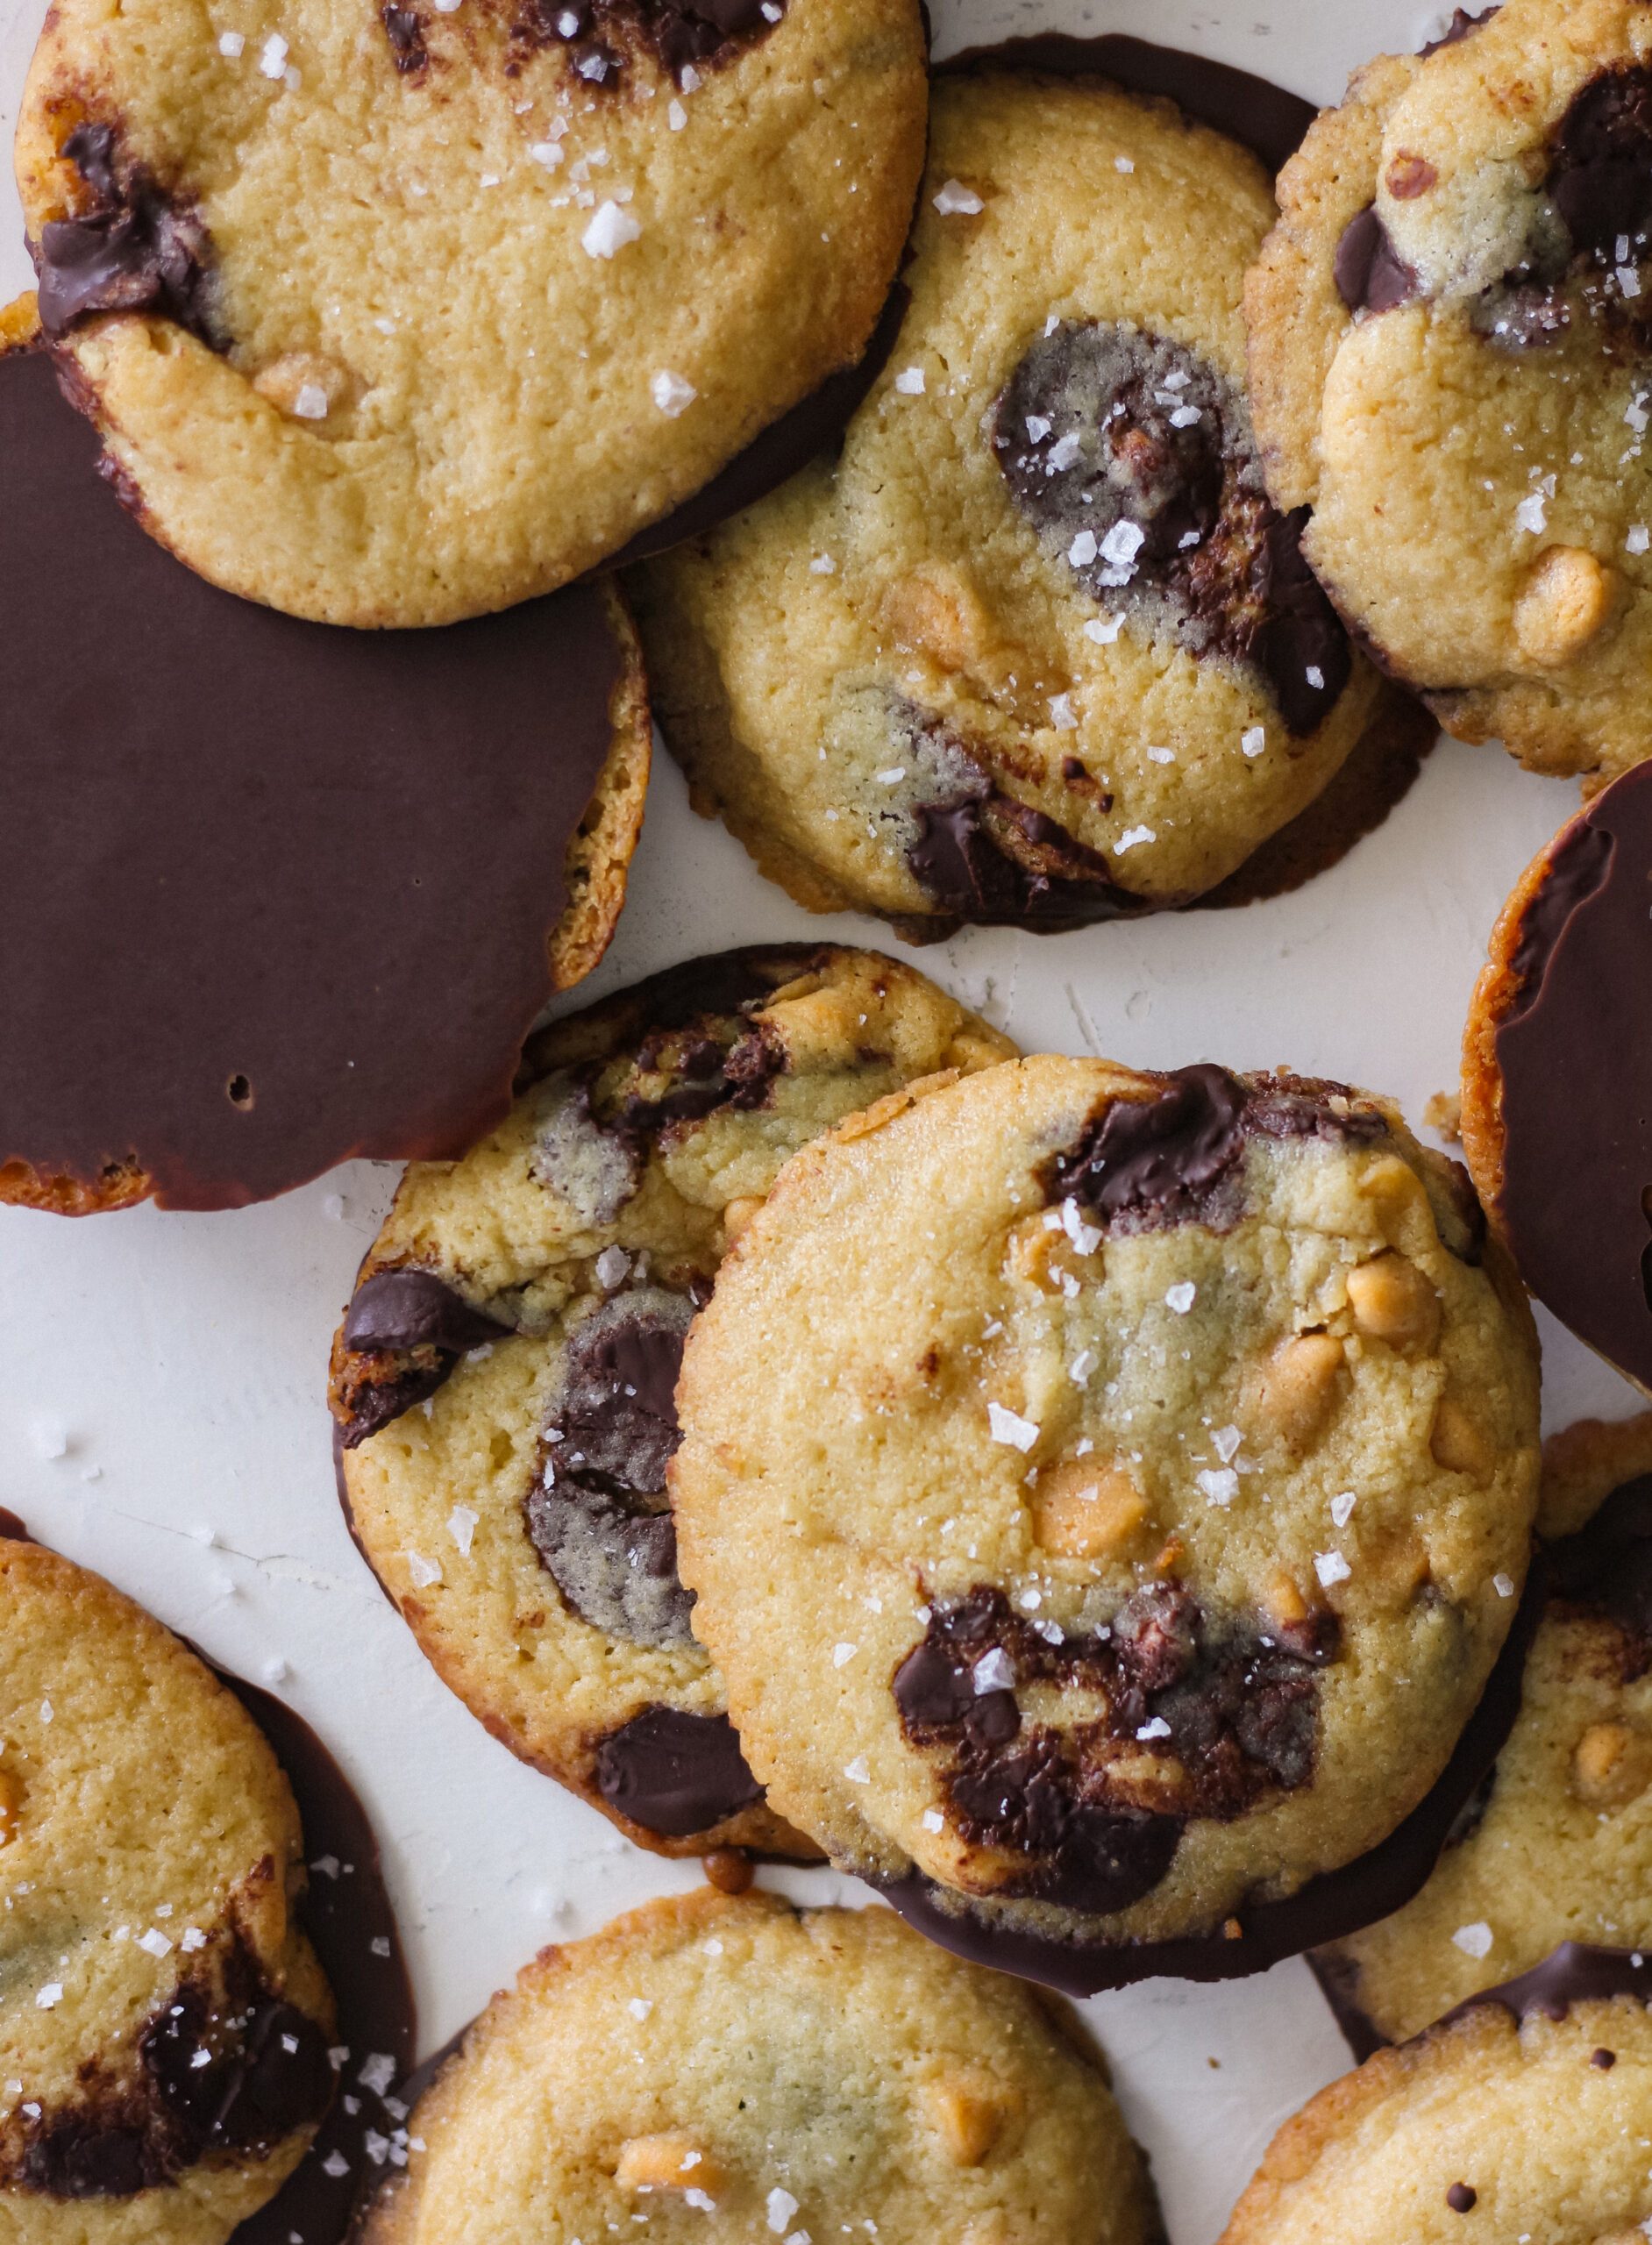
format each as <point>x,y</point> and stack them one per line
<point>610,230</point>
<point>1010,1429</point>
<point>956,201</point>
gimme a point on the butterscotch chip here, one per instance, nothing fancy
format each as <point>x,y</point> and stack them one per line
<point>822,2071</point>
<point>1459,1440</point>
<point>1394,1302</point>
<point>1296,1391</point>
<point>11,1806</point>
<point>1567,600</point>
<point>1082,1510</point>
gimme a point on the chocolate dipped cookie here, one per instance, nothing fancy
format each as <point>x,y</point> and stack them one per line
<point>749,2071</point>
<point>503,1381</point>
<point>1107,1497</point>
<point>165,2026</point>
<point>1557,1076</point>
<point>273,895</point>
<point>658,226</point>
<point>1556,1845</point>
<point>1035,648</point>
<point>1451,370</point>
<point>1528,2110</point>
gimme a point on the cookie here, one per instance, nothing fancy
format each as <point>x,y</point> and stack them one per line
<point>1556,1845</point>
<point>661,224</point>
<point>1528,2110</point>
<point>1105,1497</point>
<point>1557,1076</point>
<point>337,874</point>
<point>503,1382</point>
<point>1035,649</point>
<point>758,2070</point>
<point>164,2026</point>
<point>1447,363</point>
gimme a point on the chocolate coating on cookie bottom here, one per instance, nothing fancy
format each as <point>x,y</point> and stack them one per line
<point>1573,1049</point>
<point>273,894</point>
<point>1335,1903</point>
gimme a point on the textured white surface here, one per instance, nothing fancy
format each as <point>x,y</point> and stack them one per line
<point>161,1377</point>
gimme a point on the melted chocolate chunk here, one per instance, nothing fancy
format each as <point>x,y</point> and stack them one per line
<point>680,33</point>
<point>224,2065</point>
<point>371,974</point>
<point>1607,1568</point>
<point>1239,1711</point>
<point>595,1171</point>
<point>596,1516</point>
<point>1462,2197</point>
<point>137,250</point>
<point>404,1331</point>
<point>676,1773</point>
<point>1135,460</point>
<point>1329,1908</point>
<point>997,862</point>
<point>404,28</point>
<point>1462,24</point>
<point>1371,276</point>
<point>1600,178</point>
<point>1573,1049</point>
<point>1148,1164</point>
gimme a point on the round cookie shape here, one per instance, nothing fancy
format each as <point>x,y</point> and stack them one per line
<point>1035,649</point>
<point>764,2070</point>
<point>337,874</point>
<point>1527,2108</point>
<point>1143,1469</point>
<point>164,2026</point>
<point>661,227</point>
<point>503,1381</point>
<point>1554,1846</point>
<point>1557,1076</point>
<point>1451,365</point>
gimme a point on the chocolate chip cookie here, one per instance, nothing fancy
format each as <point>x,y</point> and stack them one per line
<point>1557,1076</point>
<point>1556,1845</point>
<point>1105,1497</point>
<point>1528,2110</point>
<point>762,2070</point>
<point>1451,366</point>
<point>347,869</point>
<point>1035,649</point>
<point>164,2026</point>
<point>504,1379</point>
<point>657,225</point>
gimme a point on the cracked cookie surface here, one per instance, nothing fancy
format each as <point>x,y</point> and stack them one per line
<point>1451,365</point>
<point>1106,1495</point>
<point>1035,649</point>
<point>659,227</point>
<point>504,1379</point>
<point>164,2024</point>
<point>773,2072</point>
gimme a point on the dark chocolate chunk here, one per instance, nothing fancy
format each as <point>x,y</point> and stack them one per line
<point>76,2156</point>
<point>138,250</point>
<point>1135,460</point>
<point>1603,2060</point>
<point>1261,115</point>
<point>1240,1712</point>
<point>366,942</point>
<point>1370,275</point>
<point>1149,1163</point>
<point>994,862</point>
<point>1600,177</point>
<point>404,28</point>
<point>683,34</point>
<point>1462,2197</point>
<point>616,1416</point>
<point>676,1773</point>
<point>1608,1567</point>
<point>1573,1052</point>
<point>1330,1907</point>
<point>409,1308</point>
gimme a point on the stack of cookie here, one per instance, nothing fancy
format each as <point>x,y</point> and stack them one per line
<point>1096,1508</point>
